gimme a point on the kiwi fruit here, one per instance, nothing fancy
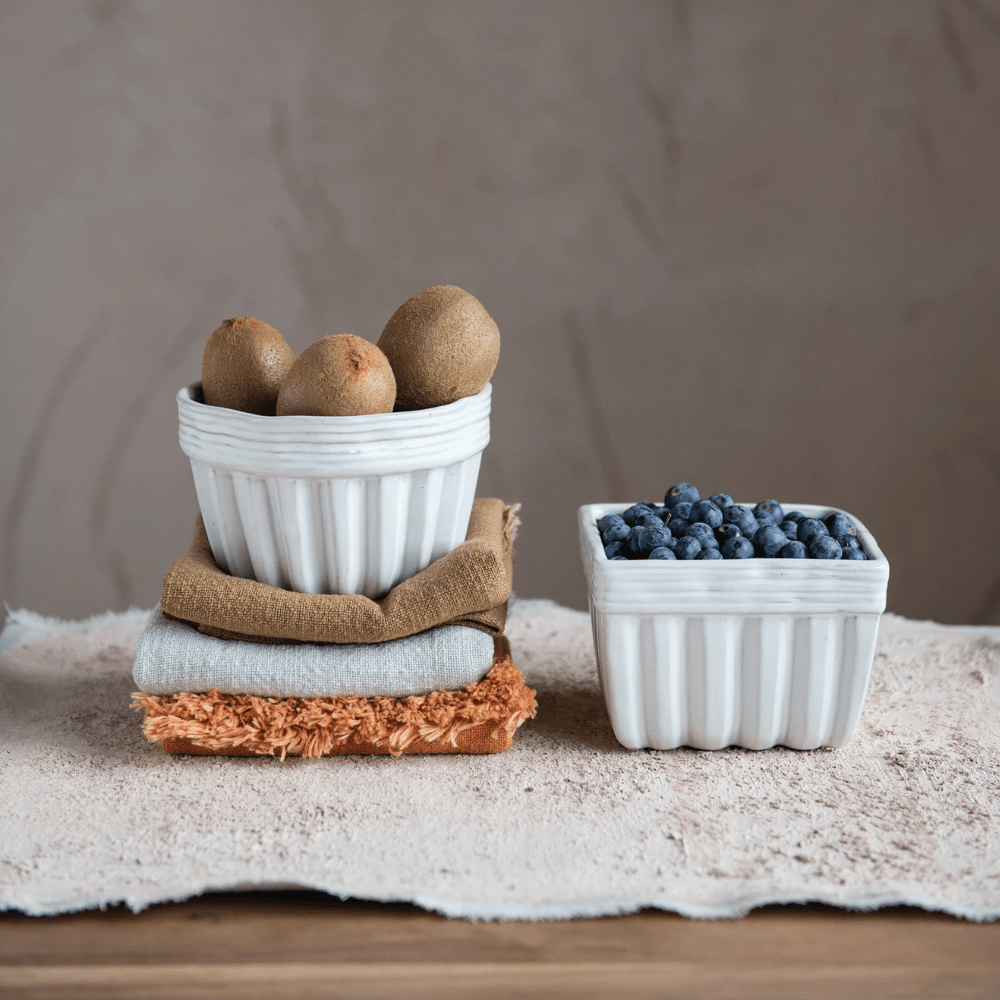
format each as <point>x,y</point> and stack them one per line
<point>442,345</point>
<point>338,376</point>
<point>244,364</point>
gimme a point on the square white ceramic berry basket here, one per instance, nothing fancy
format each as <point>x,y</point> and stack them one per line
<point>753,653</point>
<point>334,505</point>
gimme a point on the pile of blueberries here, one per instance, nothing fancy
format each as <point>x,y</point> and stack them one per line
<point>687,527</point>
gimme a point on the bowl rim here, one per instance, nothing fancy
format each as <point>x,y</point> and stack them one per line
<point>732,586</point>
<point>192,396</point>
<point>590,513</point>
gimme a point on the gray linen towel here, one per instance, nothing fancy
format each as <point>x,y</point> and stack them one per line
<point>173,656</point>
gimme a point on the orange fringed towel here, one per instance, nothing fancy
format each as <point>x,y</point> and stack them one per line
<point>479,719</point>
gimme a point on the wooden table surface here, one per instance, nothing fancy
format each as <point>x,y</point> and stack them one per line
<point>303,945</point>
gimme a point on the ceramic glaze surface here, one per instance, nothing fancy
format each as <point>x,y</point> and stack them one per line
<point>342,505</point>
<point>752,653</point>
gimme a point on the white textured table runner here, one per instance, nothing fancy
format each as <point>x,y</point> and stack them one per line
<point>566,824</point>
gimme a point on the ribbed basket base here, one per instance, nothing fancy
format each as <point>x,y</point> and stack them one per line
<point>335,536</point>
<point>755,681</point>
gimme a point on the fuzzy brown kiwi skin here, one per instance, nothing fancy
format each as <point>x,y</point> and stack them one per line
<point>244,364</point>
<point>442,345</point>
<point>339,376</point>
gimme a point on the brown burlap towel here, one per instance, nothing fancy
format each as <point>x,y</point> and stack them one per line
<point>468,586</point>
<point>481,718</point>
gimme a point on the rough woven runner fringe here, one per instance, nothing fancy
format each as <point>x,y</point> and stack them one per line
<point>566,823</point>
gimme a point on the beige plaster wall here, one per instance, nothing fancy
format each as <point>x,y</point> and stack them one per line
<point>753,245</point>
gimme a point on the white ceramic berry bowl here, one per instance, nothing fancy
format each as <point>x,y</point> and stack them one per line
<point>753,653</point>
<point>334,505</point>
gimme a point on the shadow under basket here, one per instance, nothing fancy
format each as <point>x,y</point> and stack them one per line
<point>479,719</point>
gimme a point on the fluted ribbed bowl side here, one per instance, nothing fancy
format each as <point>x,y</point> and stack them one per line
<point>345,505</point>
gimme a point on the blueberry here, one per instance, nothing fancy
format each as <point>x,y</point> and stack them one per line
<point>682,509</point>
<point>824,547</point>
<point>773,509</point>
<point>709,554</point>
<point>654,537</point>
<point>660,511</point>
<point>678,525</point>
<point>737,548</point>
<point>649,521</point>
<point>632,542</point>
<point>604,522</point>
<point>618,559</point>
<point>634,513</point>
<point>809,528</point>
<point>721,500</point>
<point>618,548</point>
<point>769,540</point>
<point>794,515</point>
<point>681,493</point>
<point>791,529</point>
<point>687,547</point>
<point>642,540</point>
<point>794,550</point>
<point>852,554</point>
<point>726,531</point>
<point>703,533</point>
<point>662,553</point>
<point>615,532</point>
<point>839,524</point>
<point>742,517</point>
<point>848,541</point>
<point>735,513</point>
<point>706,512</point>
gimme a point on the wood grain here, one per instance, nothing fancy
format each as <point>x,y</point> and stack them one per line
<point>306,945</point>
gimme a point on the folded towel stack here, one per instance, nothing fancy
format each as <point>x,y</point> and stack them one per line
<point>234,666</point>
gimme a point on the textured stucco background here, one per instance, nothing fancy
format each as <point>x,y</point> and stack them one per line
<point>753,245</point>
